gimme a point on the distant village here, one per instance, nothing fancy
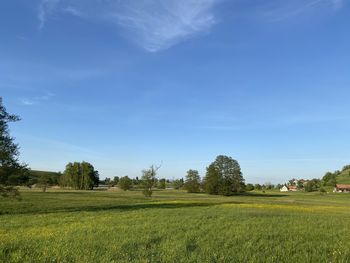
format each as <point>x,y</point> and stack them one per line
<point>295,185</point>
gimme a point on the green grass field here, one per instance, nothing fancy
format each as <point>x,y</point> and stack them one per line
<point>344,177</point>
<point>173,226</point>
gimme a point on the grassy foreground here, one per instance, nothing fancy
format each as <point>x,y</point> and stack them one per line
<point>173,226</point>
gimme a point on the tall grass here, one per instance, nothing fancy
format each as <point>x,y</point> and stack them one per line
<point>173,226</point>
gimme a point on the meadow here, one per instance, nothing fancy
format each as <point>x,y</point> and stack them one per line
<point>174,226</point>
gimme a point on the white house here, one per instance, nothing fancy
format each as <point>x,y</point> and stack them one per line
<point>284,189</point>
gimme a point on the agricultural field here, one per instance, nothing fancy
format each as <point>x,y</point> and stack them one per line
<point>174,226</point>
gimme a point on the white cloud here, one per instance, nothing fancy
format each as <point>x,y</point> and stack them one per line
<point>281,10</point>
<point>73,11</point>
<point>153,24</point>
<point>37,99</point>
<point>158,24</point>
<point>46,8</point>
<point>26,101</point>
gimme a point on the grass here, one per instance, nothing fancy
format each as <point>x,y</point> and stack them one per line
<point>173,226</point>
<point>344,177</point>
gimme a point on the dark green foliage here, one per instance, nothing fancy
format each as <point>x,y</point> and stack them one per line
<point>329,179</point>
<point>322,190</point>
<point>80,176</point>
<point>178,183</point>
<point>224,177</point>
<point>346,167</point>
<point>44,181</point>
<point>162,183</point>
<point>300,184</point>
<point>249,187</point>
<point>12,172</point>
<point>312,185</point>
<point>9,191</point>
<point>35,176</point>
<point>115,180</point>
<point>212,180</point>
<point>136,181</point>
<point>125,183</point>
<point>193,181</point>
<point>148,180</point>
<point>257,187</point>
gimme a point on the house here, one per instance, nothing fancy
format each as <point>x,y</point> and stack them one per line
<point>292,188</point>
<point>284,189</point>
<point>342,188</point>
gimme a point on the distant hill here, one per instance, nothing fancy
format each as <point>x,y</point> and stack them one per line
<point>343,177</point>
<point>34,176</point>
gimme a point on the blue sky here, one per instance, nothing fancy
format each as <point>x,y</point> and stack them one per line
<point>127,84</point>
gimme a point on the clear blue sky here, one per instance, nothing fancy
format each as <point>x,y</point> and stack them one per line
<point>127,84</point>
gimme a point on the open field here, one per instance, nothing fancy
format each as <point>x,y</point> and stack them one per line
<point>173,226</point>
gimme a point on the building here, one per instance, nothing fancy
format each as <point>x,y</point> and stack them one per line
<point>342,188</point>
<point>292,188</point>
<point>284,189</point>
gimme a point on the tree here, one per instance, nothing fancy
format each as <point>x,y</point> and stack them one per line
<point>212,180</point>
<point>329,179</point>
<point>224,176</point>
<point>125,183</point>
<point>9,191</point>
<point>115,180</point>
<point>312,185</point>
<point>80,176</point>
<point>193,181</point>
<point>12,172</point>
<point>162,183</point>
<point>249,187</point>
<point>148,180</point>
<point>43,181</point>
<point>257,187</point>
<point>178,183</point>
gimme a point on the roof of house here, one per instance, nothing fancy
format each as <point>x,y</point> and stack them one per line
<point>343,186</point>
<point>292,187</point>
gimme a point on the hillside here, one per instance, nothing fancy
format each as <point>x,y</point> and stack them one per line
<point>344,177</point>
<point>35,175</point>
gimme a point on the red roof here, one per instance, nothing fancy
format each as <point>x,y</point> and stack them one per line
<point>343,186</point>
<point>292,187</point>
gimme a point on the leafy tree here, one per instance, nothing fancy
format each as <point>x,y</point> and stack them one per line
<point>212,180</point>
<point>162,184</point>
<point>193,181</point>
<point>115,180</point>
<point>12,172</point>
<point>224,176</point>
<point>300,184</point>
<point>107,181</point>
<point>178,183</point>
<point>44,181</point>
<point>9,191</point>
<point>136,181</point>
<point>257,187</point>
<point>148,180</point>
<point>249,187</point>
<point>125,183</point>
<point>80,176</point>
<point>329,179</point>
<point>312,185</point>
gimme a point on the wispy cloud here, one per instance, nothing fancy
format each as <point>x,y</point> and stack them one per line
<point>158,25</point>
<point>153,24</point>
<point>73,11</point>
<point>26,101</point>
<point>281,10</point>
<point>46,8</point>
<point>37,99</point>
